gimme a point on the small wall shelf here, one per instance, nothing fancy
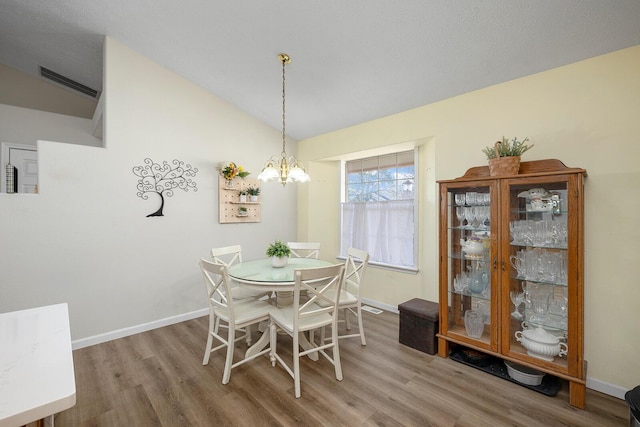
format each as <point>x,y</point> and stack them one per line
<point>230,204</point>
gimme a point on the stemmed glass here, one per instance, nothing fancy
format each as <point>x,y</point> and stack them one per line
<point>485,215</point>
<point>517,298</point>
<point>459,198</point>
<point>460,214</point>
<point>470,215</point>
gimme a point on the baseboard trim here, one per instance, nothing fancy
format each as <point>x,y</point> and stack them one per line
<point>125,332</point>
<point>606,388</point>
<point>592,383</point>
<point>381,306</point>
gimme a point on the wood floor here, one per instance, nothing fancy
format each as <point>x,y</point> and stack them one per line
<point>157,379</point>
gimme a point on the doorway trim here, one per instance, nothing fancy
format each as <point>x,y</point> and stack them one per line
<point>5,148</point>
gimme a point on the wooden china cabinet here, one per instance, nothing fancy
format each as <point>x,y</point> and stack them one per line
<point>511,254</point>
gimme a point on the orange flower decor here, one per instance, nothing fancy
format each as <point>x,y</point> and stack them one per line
<point>230,170</point>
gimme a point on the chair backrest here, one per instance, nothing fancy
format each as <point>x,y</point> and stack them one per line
<point>354,268</point>
<point>322,286</point>
<point>304,249</point>
<point>227,255</point>
<point>217,281</point>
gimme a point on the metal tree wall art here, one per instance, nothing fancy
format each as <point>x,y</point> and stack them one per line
<point>162,179</point>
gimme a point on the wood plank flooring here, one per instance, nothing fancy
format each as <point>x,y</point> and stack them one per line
<point>157,379</point>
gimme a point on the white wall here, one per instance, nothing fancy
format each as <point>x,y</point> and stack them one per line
<point>585,114</point>
<point>86,240</point>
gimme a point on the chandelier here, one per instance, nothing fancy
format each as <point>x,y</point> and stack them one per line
<point>284,169</point>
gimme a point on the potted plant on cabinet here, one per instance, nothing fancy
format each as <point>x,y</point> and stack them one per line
<point>253,193</point>
<point>279,253</point>
<point>504,157</point>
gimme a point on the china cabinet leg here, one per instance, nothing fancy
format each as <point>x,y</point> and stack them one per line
<point>577,393</point>
<point>443,347</point>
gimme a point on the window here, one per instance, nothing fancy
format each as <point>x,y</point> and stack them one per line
<point>379,208</point>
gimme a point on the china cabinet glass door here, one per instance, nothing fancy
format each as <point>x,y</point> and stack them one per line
<point>471,289</point>
<point>539,289</point>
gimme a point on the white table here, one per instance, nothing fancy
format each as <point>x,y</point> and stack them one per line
<point>261,275</point>
<point>36,364</point>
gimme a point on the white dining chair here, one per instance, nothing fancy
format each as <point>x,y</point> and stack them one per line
<point>228,256</point>
<point>351,295</point>
<point>306,315</point>
<point>350,303</point>
<point>238,315</point>
<point>304,249</point>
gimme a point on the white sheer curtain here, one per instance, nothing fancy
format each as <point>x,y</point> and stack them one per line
<point>384,229</point>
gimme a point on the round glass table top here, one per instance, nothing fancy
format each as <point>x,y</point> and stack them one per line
<point>261,270</point>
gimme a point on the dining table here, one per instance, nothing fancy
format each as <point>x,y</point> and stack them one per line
<point>260,275</point>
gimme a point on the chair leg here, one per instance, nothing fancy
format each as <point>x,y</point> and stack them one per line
<point>360,327</point>
<point>336,354</point>
<point>248,335</point>
<point>207,351</point>
<point>346,318</point>
<point>296,365</point>
<point>273,341</point>
<point>227,365</point>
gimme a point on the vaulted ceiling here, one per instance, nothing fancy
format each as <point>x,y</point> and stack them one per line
<point>352,60</point>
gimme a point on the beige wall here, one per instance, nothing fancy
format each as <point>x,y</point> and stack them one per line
<point>586,114</point>
<point>22,90</point>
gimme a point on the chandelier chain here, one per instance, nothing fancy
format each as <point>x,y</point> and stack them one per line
<point>284,153</point>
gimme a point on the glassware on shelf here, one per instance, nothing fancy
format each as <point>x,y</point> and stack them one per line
<point>459,199</point>
<point>460,215</point>
<point>474,323</point>
<point>540,305</point>
<point>470,215</point>
<point>476,285</point>
<point>543,233</point>
<point>517,298</point>
<point>460,283</point>
<point>540,265</point>
<point>471,198</point>
<point>485,216</point>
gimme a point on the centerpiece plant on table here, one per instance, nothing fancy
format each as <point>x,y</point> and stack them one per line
<point>279,252</point>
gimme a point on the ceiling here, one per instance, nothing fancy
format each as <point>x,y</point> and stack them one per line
<point>352,60</point>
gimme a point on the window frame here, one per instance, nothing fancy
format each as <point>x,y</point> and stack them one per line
<point>416,222</point>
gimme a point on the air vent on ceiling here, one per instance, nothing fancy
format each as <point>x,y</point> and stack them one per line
<point>67,82</point>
